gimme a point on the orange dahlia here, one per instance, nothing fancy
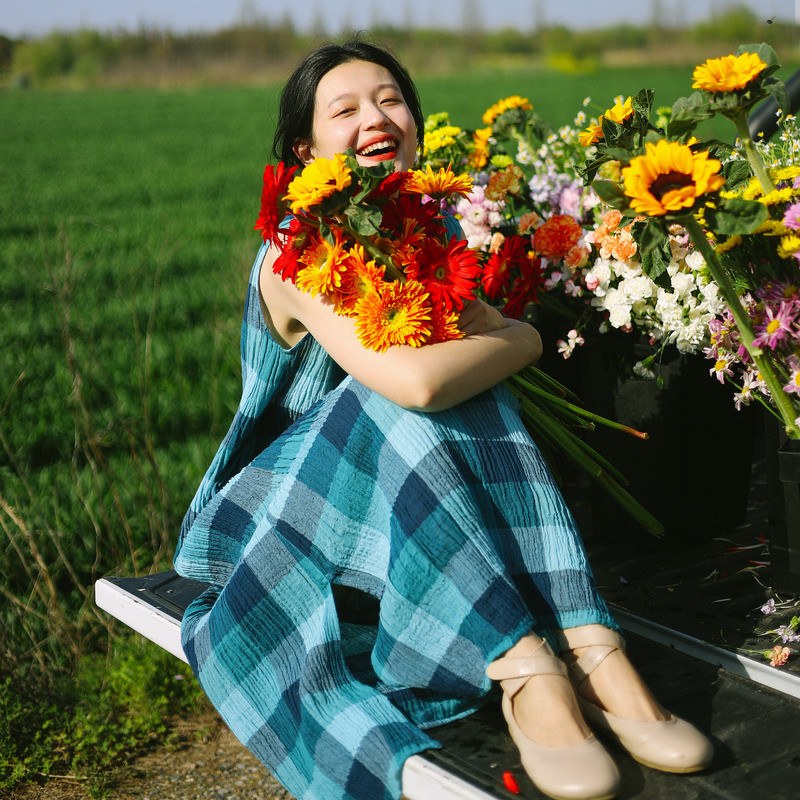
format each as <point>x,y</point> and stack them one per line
<point>670,178</point>
<point>398,314</point>
<point>318,181</point>
<point>557,236</point>
<point>727,74</point>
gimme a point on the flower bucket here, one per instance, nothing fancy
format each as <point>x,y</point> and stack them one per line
<point>693,473</point>
<point>783,486</point>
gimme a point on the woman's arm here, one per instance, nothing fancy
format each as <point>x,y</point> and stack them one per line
<point>429,378</point>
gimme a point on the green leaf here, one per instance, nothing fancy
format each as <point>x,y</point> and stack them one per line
<point>651,235</point>
<point>611,193</point>
<point>736,172</point>
<point>365,220</point>
<point>687,112</point>
<point>778,91</point>
<point>736,216</point>
<point>764,52</point>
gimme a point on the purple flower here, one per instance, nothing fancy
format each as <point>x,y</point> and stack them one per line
<point>768,607</point>
<point>776,327</point>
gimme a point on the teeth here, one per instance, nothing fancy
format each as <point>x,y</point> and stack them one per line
<point>389,144</point>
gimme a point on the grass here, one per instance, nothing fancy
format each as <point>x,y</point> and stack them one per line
<point>126,226</point>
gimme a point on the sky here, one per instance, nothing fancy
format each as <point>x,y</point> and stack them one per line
<point>38,17</point>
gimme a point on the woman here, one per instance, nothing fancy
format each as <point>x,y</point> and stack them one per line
<point>402,487</point>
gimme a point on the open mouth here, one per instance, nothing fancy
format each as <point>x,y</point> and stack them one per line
<point>387,148</point>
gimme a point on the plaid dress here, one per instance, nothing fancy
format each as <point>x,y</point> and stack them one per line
<point>365,564</point>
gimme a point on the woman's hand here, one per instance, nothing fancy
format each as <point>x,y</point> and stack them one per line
<point>479,317</point>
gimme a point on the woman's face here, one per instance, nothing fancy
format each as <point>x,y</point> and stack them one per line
<point>359,104</point>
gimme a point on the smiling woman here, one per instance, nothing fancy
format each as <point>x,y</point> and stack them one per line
<point>381,535</point>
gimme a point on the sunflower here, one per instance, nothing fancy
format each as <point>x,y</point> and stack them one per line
<point>449,272</point>
<point>727,74</point>
<point>670,178</point>
<point>501,106</point>
<point>618,113</point>
<point>323,265</point>
<point>318,181</point>
<point>437,184</point>
<point>398,314</point>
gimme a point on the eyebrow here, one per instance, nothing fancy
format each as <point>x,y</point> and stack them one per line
<point>348,95</point>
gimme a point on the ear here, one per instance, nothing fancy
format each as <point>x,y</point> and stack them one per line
<point>302,149</point>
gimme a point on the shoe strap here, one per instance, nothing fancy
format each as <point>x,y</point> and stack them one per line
<point>513,672</point>
<point>600,641</point>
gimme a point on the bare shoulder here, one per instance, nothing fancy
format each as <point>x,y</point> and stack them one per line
<point>277,296</point>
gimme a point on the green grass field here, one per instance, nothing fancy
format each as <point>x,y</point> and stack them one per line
<point>126,239</point>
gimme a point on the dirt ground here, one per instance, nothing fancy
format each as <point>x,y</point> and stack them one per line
<point>207,763</point>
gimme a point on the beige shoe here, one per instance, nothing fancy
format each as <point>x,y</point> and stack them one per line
<point>582,772</point>
<point>671,745</point>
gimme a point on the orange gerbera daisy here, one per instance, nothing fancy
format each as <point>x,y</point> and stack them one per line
<point>444,325</point>
<point>361,277</point>
<point>449,272</point>
<point>501,106</point>
<point>411,220</point>
<point>437,184</point>
<point>323,265</point>
<point>670,178</point>
<point>319,180</point>
<point>557,236</point>
<point>727,74</point>
<point>398,314</point>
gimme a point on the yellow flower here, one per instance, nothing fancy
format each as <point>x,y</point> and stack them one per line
<point>789,246</point>
<point>321,179</point>
<point>729,244</point>
<point>592,134</point>
<point>618,113</point>
<point>441,137</point>
<point>670,178</point>
<point>727,74</point>
<point>396,315</point>
<point>437,184</point>
<point>501,106</point>
<point>480,143</point>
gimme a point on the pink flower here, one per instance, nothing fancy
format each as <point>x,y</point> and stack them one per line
<point>793,387</point>
<point>778,656</point>
<point>791,219</point>
<point>775,327</point>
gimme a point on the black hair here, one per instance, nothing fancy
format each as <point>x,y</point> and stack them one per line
<point>296,110</point>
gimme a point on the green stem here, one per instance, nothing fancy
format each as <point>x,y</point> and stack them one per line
<point>779,397</point>
<point>753,156</point>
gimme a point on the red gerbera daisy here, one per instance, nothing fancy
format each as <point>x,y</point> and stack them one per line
<point>292,240</point>
<point>273,207</point>
<point>411,221</point>
<point>449,272</point>
<point>525,287</point>
<point>502,265</point>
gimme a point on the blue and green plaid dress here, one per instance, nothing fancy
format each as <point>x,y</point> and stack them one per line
<point>366,563</point>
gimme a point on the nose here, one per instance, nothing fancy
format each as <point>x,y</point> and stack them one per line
<point>374,117</point>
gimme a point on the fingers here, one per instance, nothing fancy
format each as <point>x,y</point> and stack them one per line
<point>479,317</point>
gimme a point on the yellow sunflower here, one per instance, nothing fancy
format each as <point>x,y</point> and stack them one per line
<point>397,315</point>
<point>727,74</point>
<point>618,113</point>
<point>437,184</point>
<point>319,180</point>
<point>501,106</point>
<point>670,178</point>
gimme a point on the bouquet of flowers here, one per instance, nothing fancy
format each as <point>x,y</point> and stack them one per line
<point>375,244</point>
<point>739,210</point>
<point>551,240</point>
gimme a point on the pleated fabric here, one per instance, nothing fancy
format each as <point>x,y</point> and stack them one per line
<point>365,567</point>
